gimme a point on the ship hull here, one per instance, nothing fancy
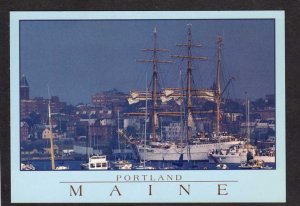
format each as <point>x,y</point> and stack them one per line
<point>198,152</point>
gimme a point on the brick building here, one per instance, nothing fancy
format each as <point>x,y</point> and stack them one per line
<point>40,105</point>
<point>115,100</point>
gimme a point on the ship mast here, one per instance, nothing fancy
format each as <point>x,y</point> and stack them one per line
<point>247,118</point>
<point>155,62</point>
<point>189,58</point>
<point>218,90</point>
<point>154,90</point>
<point>51,136</point>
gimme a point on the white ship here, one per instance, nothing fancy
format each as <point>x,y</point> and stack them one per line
<point>190,147</point>
<point>172,151</point>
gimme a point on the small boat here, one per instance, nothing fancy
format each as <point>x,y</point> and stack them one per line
<point>27,167</point>
<point>122,165</point>
<point>62,167</point>
<point>254,164</point>
<point>126,167</point>
<point>268,167</point>
<point>169,168</point>
<point>96,162</point>
<point>267,155</point>
<point>222,167</point>
<point>143,167</point>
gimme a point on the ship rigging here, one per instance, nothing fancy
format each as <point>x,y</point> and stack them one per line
<point>192,149</point>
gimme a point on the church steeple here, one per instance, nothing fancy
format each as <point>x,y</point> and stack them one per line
<point>24,88</point>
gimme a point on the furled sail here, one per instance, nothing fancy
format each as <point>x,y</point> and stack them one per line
<point>155,121</point>
<point>205,94</point>
<point>134,94</point>
<point>168,92</point>
<point>190,120</point>
<point>136,97</point>
<point>178,100</point>
<point>132,101</point>
<point>165,99</point>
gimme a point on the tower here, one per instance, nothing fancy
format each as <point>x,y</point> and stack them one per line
<point>24,88</point>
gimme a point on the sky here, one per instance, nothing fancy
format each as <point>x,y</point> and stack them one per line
<point>80,58</point>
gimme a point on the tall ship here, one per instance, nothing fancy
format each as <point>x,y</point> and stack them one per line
<point>189,146</point>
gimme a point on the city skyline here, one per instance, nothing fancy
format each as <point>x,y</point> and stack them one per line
<point>80,58</point>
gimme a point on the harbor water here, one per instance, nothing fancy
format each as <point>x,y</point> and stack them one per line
<point>75,165</point>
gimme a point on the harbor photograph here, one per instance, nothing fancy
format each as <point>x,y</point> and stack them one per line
<point>106,95</point>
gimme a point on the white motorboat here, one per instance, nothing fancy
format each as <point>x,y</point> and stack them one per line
<point>96,162</point>
<point>62,167</point>
<point>27,167</point>
<point>122,165</point>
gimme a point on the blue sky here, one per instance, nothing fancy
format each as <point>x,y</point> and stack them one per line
<point>79,58</point>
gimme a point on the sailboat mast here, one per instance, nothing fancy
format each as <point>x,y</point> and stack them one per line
<point>154,90</point>
<point>248,120</point>
<point>218,91</point>
<point>118,132</point>
<point>146,116</point>
<point>51,137</point>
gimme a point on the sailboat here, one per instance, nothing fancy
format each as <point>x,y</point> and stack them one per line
<point>60,167</point>
<point>121,164</point>
<point>192,148</point>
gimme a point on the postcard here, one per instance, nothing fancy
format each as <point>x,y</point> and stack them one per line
<point>147,107</point>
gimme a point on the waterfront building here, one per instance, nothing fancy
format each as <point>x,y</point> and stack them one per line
<point>24,131</point>
<point>46,134</point>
